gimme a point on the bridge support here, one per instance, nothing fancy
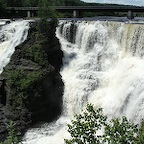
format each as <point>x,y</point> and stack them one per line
<point>32,14</point>
<point>130,15</point>
<point>28,14</point>
<point>75,14</point>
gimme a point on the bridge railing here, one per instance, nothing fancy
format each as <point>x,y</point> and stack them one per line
<point>80,7</point>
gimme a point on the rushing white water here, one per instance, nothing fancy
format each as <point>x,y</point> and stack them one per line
<point>105,66</point>
<point>11,35</point>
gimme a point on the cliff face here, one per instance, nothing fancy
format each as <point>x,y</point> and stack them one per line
<point>31,87</point>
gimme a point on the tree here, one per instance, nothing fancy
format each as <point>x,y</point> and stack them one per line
<point>48,19</point>
<point>84,129</point>
<point>46,9</point>
<point>14,3</point>
<point>73,2</point>
<point>12,137</point>
<point>26,3</point>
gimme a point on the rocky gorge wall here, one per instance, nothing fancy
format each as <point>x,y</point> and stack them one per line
<point>31,87</point>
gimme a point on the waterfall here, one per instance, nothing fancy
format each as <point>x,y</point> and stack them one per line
<point>11,35</point>
<point>103,65</point>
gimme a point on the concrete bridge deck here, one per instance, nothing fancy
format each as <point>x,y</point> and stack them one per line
<point>81,8</point>
<point>77,9</point>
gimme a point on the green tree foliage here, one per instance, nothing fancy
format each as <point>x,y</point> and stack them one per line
<point>84,130</point>
<point>14,3</point>
<point>46,10</point>
<point>48,21</point>
<point>2,4</point>
<point>20,80</point>
<point>73,2</point>
<point>26,3</point>
<point>12,137</point>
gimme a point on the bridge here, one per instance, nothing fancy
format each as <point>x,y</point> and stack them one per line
<point>77,9</point>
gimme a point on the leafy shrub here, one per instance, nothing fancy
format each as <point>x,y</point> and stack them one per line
<point>22,79</point>
<point>85,129</point>
<point>36,54</point>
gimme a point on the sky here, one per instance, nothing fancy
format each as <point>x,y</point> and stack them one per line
<point>126,2</point>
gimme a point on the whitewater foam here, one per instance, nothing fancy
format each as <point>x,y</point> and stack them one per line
<point>11,35</point>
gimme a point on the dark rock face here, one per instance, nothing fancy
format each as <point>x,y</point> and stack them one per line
<point>47,107</point>
<point>3,92</point>
<point>31,87</point>
<point>3,130</point>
